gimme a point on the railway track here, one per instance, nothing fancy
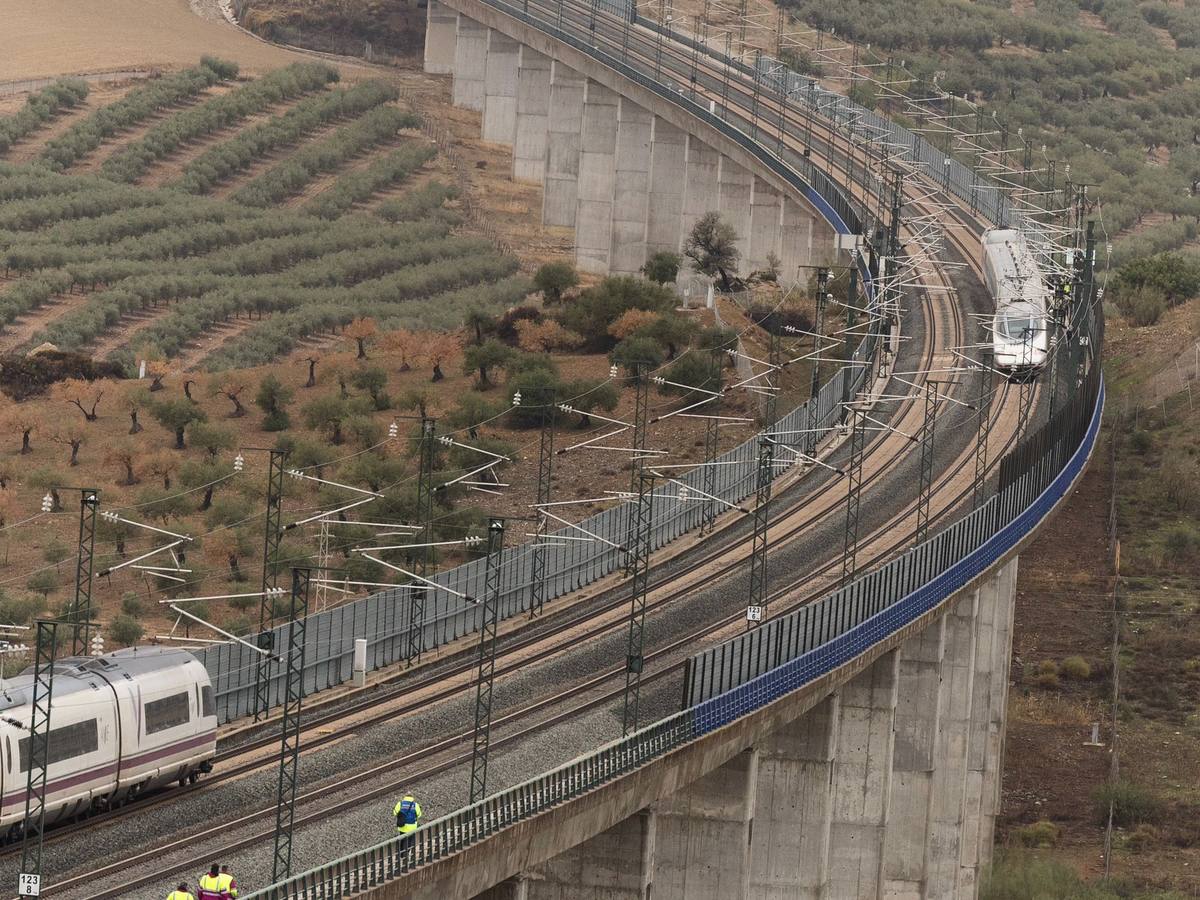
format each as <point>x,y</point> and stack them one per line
<point>666,661</point>
<point>534,647</point>
<point>577,693</point>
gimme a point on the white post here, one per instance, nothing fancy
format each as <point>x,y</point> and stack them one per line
<point>360,662</point>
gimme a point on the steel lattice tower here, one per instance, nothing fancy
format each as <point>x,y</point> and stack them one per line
<point>712,443</point>
<point>775,375</point>
<point>641,403</point>
<point>848,345</point>
<point>983,406</point>
<point>810,438</point>
<point>419,594</point>
<point>762,509</point>
<point>289,747</point>
<point>858,434</point>
<point>81,608</point>
<point>39,746</point>
<point>487,661</point>
<point>537,582</point>
<point>925,484</point>
<point>272,534</point>
<point>639,556</point>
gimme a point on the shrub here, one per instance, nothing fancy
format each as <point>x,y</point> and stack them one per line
<point>272,398</point>
<point>1141,441</point>
<point>1142,838</point>
<point>662,267</point>
<point>638,353</point>
<point>506,325</point>
<point>1142,306</point>
<point>1179,479</point>
<point>125,630</point>
<point>773,319</point>
<point>1131,804</point>
<point>539,337</point>
<point>592,312</point>
<point>1181,543</point>
<point>40,108</point>
<point>554,279</point>
<point>1042,833</point>
<point>43,582</point>
<point>132,604</point>
<point>420,204</point>
<point>694,370</point>
<point>19,609</point>
<point>1076,668</point>
<point>1047,675</point>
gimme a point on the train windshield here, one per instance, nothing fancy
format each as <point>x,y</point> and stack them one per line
<point>1019,327</point>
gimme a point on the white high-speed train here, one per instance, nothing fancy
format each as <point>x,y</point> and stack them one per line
<point>1019,333</point>
<point>120,725</point>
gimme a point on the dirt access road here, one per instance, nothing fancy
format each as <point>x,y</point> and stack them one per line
<point>44,38</point>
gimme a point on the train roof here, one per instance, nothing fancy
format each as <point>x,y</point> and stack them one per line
<point>1002,236</point>
<point>76,673</point>
<point>1020,308</point>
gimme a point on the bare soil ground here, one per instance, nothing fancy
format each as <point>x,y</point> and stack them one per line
<point>44,38</point>
<point>1064,608</point>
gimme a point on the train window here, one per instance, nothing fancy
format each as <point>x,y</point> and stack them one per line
<point>209,707</point>
<point>65,743</point>
<point>167,713</point>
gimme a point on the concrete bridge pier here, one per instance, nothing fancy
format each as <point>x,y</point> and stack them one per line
<point>667,175</point>
<point>701,170</point>
<point>597,168</point>
<point>470,64</point>
<point>533,116</point>
<point>564,130</point>
<point>766,227</point>
<point>631,188</point>
<point>793,806</point>
<point>500,89</point>
<point>914,761</point>
<point>441,39</point>
<point>616,864</point>
<point>885,788</point>
<point>734,189</point>
<point>862,771</point>
<point>798,225</point>
<point>948,807</point>
<point>623,172</point>
<point>703,835</point>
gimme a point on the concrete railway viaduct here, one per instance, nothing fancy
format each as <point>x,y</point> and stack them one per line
<point>862,759</point>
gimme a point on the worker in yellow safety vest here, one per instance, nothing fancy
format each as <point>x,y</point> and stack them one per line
<point>210,884</point>
<point>180,893</point>
<point>227,883</point>
<point>408,814</point>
